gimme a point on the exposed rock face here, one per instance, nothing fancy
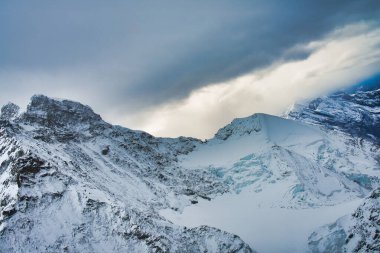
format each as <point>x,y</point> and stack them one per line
<point>242,126</point>
<point>55,113</point>
<point>9,111</point>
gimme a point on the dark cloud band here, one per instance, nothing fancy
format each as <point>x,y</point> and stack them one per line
<point>143,53</point>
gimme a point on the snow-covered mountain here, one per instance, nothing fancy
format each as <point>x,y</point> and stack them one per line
<point>70,182</point>
<point>314,167</point>
<point>356,112</point>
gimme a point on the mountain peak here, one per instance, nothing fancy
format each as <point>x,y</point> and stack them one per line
<point>9,111</point>
<point>241,126</point>
<point>58,113</point>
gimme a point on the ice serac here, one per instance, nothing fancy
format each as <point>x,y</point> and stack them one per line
<point>70,182</point>
<point>357,232</point>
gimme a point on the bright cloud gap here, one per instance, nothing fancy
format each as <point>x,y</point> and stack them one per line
<point>347,56</point>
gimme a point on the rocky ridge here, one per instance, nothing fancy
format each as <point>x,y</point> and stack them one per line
<point>71,182</point>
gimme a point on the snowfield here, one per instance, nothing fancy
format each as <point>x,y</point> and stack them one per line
<point>269,229</point>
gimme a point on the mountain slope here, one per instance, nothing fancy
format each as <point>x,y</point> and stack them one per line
<point>315,167</point>
<point>356,112</point>
<point>358,232</point>
<point>72,182</point>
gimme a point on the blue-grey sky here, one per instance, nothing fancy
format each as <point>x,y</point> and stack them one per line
<point>133,60</point>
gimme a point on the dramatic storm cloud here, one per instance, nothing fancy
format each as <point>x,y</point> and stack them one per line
<point>343,59</point>
<point>161,65</point>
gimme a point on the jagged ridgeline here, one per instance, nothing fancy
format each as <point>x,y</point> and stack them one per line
<point>71,182</point>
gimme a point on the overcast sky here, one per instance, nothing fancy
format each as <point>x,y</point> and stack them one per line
<point>185,67</point>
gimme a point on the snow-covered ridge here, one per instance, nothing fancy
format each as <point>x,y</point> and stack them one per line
<point>357,114</point>
<point>275,129</point>
<point>71,182</point>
